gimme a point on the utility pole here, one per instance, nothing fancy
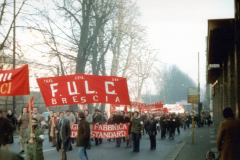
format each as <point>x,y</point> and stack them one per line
<point>14,48</point>
<point>198,93</point>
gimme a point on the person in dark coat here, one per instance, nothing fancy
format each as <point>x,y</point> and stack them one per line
<point>152,127</point>
<point>136,130</point>
<point>49,126</point>
<point>63,131</point>
<point>128,139</point>
<point>12,118</point>
<point>208,117</point>
<point>163,126</point>
<point>118,120</point>
<point>189,118</point>
<point>172,126</point>
<point>98,118</point>
<point>110,121</point>
<point>228,139</point>
<point>178,123</point>
<point>5,129</point>
<point>144,119</point>
<point>83,136</point>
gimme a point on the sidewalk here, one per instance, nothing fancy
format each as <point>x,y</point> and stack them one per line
<point>204,140</point>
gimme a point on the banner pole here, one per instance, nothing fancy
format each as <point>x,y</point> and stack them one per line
<point>30,115</point>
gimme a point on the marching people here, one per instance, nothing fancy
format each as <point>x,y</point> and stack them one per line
<point>12,118</point>
<point>39,117</point>
<point>188,120</point>
<point>184,121</point>
<point>5,130</point>
<point>228,139</point>
<point>97,119</point>
<point>178,121</point>
<point>83,136</point>
<point>23,120</point>
<point>34,141</point>
<point>163,126</point>
<point>52,124</point>
<point>69,116</point>
<point>118,120</point>
<point>202,115</point>
<point>144,118</point>
<point>208,117</point>
<point>110,121</point>
<point>89,120</point>
<point>128,139</point>
<point>172,126</point>
<point>63,131</point>
<point>152,127</point>
<point>49,128</point>
<point>136,129</point>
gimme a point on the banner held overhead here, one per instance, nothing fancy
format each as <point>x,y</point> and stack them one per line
<point>83,89</point>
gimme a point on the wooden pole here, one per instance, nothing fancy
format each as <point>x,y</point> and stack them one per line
<point>30,116</point>
<point>192,123</point>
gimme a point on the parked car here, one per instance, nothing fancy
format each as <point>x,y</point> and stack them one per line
<point>45,115</point>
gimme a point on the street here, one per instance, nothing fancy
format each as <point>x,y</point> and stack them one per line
<point>108,150</point>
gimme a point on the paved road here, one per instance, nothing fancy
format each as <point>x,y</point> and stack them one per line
<point>108,150</point>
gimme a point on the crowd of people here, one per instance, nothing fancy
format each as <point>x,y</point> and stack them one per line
<point>59,129</point>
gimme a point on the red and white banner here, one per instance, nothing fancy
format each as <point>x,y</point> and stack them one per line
<point>174,107</point>
<point>104,131</point>
<point>32,105</point>
<point>142,106</point>
<point>83,89</point>
<point>14,82</point>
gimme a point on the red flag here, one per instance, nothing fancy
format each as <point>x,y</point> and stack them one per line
<point>125,109</point>
<point>14,82</point>
<point>32,105</point>
<point>83,89</point>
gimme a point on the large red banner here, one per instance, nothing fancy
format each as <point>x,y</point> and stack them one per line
<point>104,131</point>
<point>83,89</point>
<point>14,82</point>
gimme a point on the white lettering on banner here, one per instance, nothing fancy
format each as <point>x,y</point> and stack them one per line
<point>74,99</point>
<point>5,76</point>
<point>79,77</point>
<point>94,98</point>
<point>74,127</point>
<point>48,80</point>
<point>107,89</point>
<point>83,99</point>
<point>74,134</point>
<point>87,90</point>
<point>117,99</point>
<point>106,98</point>
<point>75,89</point>
<point>64,100</point>
<point>53,90</point>
<point>54,101</point>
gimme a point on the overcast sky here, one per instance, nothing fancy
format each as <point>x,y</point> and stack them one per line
<point>178,28</point>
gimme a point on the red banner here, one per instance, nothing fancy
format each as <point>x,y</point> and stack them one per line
<point>14,82</point>
<point>32,105</point>
<point>83,89</point>
<point>142,106</point>
<point>104,131</point>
